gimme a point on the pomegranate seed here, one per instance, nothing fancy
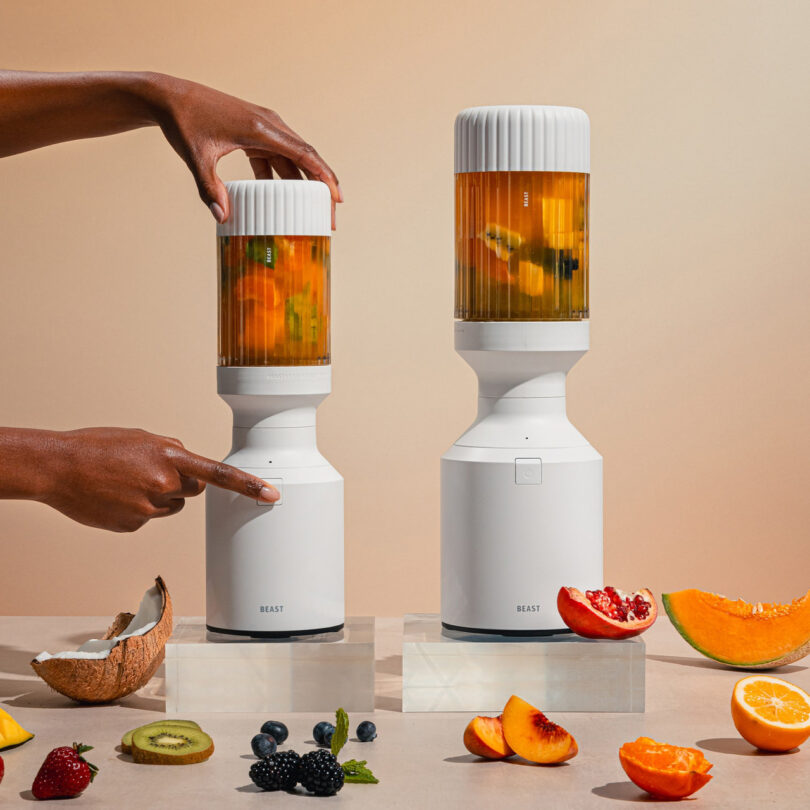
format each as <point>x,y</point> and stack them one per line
<point>610,602</point>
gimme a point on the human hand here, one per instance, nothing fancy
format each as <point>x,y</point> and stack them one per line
<point>119,478</point>
<point>203,125</point>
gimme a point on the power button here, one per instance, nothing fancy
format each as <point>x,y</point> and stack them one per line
<point>528,471</point>
<point>278,483</point>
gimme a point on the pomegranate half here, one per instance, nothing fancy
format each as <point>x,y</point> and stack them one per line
<point>608,613</point>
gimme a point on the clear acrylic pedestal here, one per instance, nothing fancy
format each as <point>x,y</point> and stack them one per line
<point>444,671</point>
<point>304,674</point>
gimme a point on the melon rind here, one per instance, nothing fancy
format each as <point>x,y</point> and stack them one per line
<point>795,654</point>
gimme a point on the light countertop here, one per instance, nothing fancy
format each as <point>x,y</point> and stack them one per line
<point>419,758</point>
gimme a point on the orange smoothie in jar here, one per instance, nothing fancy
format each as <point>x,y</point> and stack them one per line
<point>273,300</point>
<point>521,246</point>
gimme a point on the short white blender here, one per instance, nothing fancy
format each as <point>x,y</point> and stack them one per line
<point>521,499</point>
<point>275,571</point>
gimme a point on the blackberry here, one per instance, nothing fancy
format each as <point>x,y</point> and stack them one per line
<point>320,773</point>
<point>276,772</point>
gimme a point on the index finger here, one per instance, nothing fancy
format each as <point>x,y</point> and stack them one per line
<point>224,476</point>
<point>306,157</point>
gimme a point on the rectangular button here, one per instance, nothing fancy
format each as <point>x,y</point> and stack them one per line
<point>278,483</point>
<point>528,471</point>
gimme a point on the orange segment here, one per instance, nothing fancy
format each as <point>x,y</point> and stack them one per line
<point>770,713</point>
<point>664,771</point>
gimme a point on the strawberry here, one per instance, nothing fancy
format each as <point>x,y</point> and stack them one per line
<point>2,769</point>
<point>64,773</point>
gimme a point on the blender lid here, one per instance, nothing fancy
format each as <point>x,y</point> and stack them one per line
<point>523,138</point>
<point>278,208</point>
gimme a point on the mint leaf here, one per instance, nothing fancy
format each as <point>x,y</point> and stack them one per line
<point>356,771</point>
<point>341,731</point>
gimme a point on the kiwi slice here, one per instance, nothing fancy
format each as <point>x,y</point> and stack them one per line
<point>165,744</point>
<point>126,740</point>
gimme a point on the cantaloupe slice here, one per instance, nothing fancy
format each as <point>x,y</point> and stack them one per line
<point>734,632</point>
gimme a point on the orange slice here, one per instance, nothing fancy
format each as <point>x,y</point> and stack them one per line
<point>664,771</point>
<point>770,713</point>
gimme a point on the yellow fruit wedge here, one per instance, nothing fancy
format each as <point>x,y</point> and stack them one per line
<point>770,713</point>
<point>12,733</point>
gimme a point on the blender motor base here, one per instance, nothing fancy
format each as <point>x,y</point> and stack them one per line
<point>270,634</point>
<point>476,631</point>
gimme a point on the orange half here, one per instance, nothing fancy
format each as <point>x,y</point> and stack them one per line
<point>664,771</point>
<point>770,713</point>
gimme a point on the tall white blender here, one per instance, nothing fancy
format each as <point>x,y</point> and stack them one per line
<point>521,500</point>
<point>275,570</point>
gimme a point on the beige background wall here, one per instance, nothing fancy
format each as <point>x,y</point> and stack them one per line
<point>696,390</point>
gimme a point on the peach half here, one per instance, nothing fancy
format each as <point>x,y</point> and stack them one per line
<point>484,738</point>
<point>533,736</point>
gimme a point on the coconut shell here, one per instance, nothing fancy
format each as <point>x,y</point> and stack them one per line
<point>128,666</point>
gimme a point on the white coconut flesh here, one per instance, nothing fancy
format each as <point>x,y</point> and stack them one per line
<point>147,617</point>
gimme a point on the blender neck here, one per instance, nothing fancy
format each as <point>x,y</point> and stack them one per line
<point>273,423</point>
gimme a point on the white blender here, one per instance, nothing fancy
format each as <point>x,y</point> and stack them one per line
<point>275,570</point>
<point>521,490</point>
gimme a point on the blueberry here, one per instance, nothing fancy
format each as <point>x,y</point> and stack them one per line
<point>366,731</point>
<point>278,731</point>
<point>327,734</point>
<point>263,745</point>
<point>320,729</point>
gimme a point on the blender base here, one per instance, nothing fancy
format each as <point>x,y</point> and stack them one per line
<point>508,633</point>
<point>269,634</point>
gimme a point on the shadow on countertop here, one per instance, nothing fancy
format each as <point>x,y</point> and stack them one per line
<point>36,694</point>
<point>623,792</point>
<point>738,746</point>
<point>708,663</point>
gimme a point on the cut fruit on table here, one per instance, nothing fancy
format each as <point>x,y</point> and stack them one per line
<point>740,634</point>
<point>664,771</point>
<point>484,737</point>
<point>126,740</point>
<point>165,744</point>
<point>770,713</point>
<point>12,733</point>
<point>607,613</point>
<point>120,662</point>
<point>531,735</point>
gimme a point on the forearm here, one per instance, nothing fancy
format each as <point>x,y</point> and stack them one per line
<point>38,109</point>
<point>26,462</point>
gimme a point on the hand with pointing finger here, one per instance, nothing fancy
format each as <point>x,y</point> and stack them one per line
<point>119,478</point>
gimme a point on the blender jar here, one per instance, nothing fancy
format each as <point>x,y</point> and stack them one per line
<point>274,287</point>
<point>521,223</point>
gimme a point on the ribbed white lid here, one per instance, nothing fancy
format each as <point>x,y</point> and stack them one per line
<point>520,137</point>
<point>278,208</point>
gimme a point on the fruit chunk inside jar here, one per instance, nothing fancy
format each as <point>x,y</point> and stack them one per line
<point>618,605</point>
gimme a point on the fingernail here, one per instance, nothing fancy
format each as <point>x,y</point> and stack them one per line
<point>340,193</point>
<point>268,495</point>
<point>219,214</point>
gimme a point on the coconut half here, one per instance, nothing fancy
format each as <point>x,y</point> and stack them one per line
<point>120,662</point>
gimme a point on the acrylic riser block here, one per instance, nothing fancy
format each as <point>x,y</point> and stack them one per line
<point>305,674</point>
<point>448,672</point>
